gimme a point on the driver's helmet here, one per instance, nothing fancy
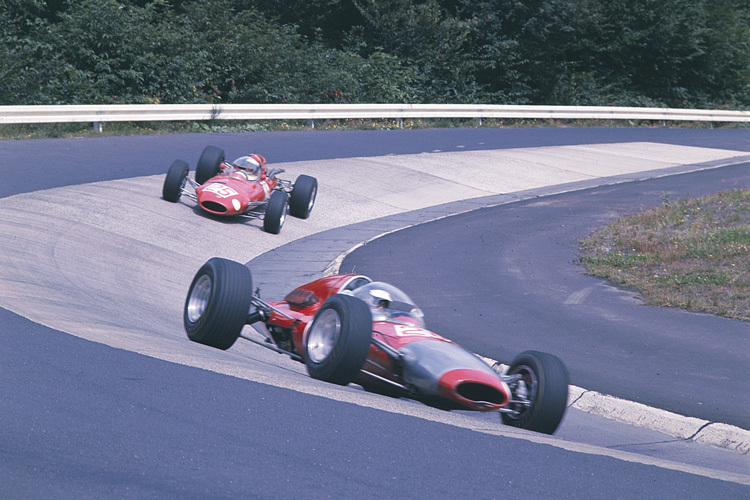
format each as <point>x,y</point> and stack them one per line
<point>251,165</point>
<point>389,303</point>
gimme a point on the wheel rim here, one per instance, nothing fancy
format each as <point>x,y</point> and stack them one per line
<point>282,217</point>
<point>312,198</point>
<point>323,334</point>
<point>525,391</point>
<point>198,301</point>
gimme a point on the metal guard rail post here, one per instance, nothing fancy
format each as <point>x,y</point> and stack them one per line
<point>98,114</point>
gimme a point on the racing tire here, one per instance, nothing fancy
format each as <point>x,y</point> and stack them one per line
<point>546,387</point>
<point>218,303</point>
<point>338,341</point>
<point>275,215</point>
<point>208,163</point>
<point>303,196</point>
<point>175,181</point>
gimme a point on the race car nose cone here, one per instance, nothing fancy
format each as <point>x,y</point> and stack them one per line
<point>477,390</point>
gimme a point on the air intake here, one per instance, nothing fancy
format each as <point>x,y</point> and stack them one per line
<point>480,393</point>
<point>212,206</point>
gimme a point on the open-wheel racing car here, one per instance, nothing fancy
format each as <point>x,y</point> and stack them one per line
<point>243,187</point>
<point>348,328</point>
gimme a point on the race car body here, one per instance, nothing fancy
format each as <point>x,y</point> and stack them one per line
<point>245,187</point>
<point>231,193</point>
<point>350,329</point>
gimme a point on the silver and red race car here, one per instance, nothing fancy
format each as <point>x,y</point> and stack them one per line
<point>245,187</point>
<point>350,329</point>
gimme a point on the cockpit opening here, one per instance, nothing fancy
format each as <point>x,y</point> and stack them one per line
<point>388,303</point>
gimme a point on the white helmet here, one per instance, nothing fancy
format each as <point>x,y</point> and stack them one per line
<point>387,302</point>
<point>250,165</point>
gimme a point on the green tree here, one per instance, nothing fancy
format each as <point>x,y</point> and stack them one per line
<point>521,48</point>
<point>634,52</point>
<point>254,59</point>
<point>422,36</point>
<point>672,52</point>
<point>32,69</point>
<point>725,75</point>
<point>327,21</point>
<point>131,53</point>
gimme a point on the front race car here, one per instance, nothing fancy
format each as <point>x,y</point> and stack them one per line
<point>349,329</point>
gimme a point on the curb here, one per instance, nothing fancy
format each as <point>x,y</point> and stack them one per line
<point>687,428</point>
<point>701,431</point>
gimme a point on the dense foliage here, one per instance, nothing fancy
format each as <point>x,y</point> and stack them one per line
<point>680,53</point>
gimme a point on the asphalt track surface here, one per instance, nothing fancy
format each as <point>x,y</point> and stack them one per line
<point>504,279</point>
<point>87,420</point>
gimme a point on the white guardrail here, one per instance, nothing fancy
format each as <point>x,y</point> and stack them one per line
<point>190,112</point>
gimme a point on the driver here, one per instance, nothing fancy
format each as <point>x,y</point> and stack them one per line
<point>381,302</point>
<point>389,303</point>
<point>252,166</point>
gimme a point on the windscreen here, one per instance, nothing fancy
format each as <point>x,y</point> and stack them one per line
<point>388,303</point>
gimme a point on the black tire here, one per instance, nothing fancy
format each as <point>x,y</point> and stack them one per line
<point>303,196</point>
<point>174,181</point>
<point>208,164</point>
<point>546,384</point>
<point>218,303</point>
<point>339,339</point>
<point>275,215</point>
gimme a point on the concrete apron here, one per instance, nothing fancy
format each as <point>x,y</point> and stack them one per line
<point>111,261</point>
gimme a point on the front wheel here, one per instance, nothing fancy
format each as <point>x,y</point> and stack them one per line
<point>540,392</point>
<point>217,303</point>
<point>303,196</point>
<point>275,212</point>
<point>339,339</point>
<point>208,164</point>
<point>175,181</point>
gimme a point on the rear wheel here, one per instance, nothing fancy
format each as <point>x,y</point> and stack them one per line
<point>303,196</point>
<point>217,303</point>
<point>175,181</point>
<point>275,215</point>
<point>541,392</point>
<point>208,164</point>
<point>339,339</point>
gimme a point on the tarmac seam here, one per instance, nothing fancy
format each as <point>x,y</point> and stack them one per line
<point>699,430</point>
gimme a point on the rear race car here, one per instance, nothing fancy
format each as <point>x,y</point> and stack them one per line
<point>245,187</point>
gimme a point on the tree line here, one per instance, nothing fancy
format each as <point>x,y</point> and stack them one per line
<point>678,53</point>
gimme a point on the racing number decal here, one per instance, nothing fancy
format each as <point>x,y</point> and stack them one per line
<point>221,190</point>
<point>412,331</point>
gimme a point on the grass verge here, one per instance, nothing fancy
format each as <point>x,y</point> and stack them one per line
<point>687,253</point>
<point>109,129</point>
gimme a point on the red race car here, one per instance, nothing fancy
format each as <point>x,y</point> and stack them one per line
<point>348,328</point>
<point>244,187</point>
